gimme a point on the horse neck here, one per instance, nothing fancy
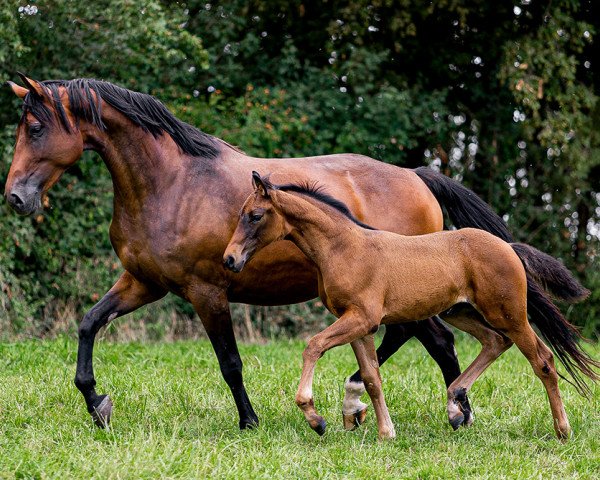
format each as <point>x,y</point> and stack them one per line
<point>317,230</point>
<point>138,162</point>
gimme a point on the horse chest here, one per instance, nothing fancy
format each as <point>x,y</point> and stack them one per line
<point>150,257</point>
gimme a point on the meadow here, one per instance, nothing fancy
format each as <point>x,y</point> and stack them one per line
<point>174,417</point>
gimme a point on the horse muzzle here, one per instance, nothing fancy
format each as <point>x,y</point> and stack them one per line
<point>24,200</point>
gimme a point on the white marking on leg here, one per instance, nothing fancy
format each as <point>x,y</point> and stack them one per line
<point>352,403</point>
<point>111,317</point>
<point>453,409</point>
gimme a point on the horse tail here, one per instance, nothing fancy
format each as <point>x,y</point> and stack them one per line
<point>550,274</point>
<point>554,327</point>
<point>464,207</point>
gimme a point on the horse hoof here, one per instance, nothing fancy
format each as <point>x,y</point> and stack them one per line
<point>354,420</point>
<point>457,421</point>
<point>102,413</point>
<point>249,424</point>
<point>320,426</point>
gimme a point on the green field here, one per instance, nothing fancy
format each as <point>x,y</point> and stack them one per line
<point>174,418</point>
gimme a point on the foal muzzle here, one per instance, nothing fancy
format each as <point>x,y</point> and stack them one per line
<point>230,263</point>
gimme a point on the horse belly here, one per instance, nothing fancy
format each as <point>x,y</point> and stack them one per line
<point>277,275</point>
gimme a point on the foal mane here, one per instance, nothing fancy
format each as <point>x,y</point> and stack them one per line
<point>144,110</point>
<point>316,191</point>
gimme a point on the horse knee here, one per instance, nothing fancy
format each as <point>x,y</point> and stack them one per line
<point>232,371</point>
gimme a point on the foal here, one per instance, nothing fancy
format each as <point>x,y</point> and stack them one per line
<point>368,277</point>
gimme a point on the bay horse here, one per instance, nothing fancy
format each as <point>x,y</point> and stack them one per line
<point>177,195</point>
<point>369,277</point>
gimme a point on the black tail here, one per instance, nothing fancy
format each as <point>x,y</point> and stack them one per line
<point>464,207</point>
<point>551,274</point>
<point>556,330</point>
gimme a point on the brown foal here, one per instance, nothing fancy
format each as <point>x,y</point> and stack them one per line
<point>368,277</point>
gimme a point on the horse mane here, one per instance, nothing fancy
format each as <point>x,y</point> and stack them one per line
<point>144,110</point>
<point>316,191</point>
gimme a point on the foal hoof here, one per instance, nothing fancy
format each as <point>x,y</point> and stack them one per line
<point>457,421</point>
<point>102,412</point>
<point>469,418</point>
<point>319,425</point>
<point>354,420</point>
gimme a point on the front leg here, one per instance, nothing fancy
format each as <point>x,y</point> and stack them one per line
<point>352,325</point>
<point>212,306</point>
<point>354,411</point>
<point>126,295</point>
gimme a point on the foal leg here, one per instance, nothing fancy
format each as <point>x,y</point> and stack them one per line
<point>212,306</point>
<point>354,411</point>
<point>437,339</point>
<point>126,295</point>
<point>542,361</point>
<point>493,345</point>
<point>364,349</point>
<point>346,329</point>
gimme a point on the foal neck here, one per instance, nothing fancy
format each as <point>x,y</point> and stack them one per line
<point>317,229</point>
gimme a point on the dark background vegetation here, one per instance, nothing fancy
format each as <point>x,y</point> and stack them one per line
<point>502,96</point>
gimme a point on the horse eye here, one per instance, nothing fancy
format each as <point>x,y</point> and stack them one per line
<point>255,217</point>
<point>35,130</point>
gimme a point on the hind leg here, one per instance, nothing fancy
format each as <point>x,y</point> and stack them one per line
<point>493,344</point>
<point>542,361</point>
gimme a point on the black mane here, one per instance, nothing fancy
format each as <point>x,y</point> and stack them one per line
<point>143,110</point>
<point>315,191</point>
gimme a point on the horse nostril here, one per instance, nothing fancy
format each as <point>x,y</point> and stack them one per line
<point>229,261</point>
<point>14,199</point>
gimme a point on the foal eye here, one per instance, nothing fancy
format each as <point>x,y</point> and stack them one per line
<point>255,217</point>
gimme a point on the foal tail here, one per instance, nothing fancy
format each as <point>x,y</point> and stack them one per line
<point>464,207</point>
<point>546,273</point>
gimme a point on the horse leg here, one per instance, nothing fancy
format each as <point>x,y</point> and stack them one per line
<point>438,340</point>
<point>493,345</point>
<point>354,411</point>
<point>213,308</point>
<point>542,361</point>
<point>346,329</point>
<point>364,349</point>
<point>126,295</point>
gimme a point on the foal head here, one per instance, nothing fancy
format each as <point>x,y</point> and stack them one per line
<point>48,142</point>
<point>259,225</point>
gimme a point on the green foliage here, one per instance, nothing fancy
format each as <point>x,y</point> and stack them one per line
<point>500,96</point>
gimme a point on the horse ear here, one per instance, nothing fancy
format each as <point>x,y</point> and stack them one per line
<point>34,86</point>
<point>18,90</point>
<point>259,185</point>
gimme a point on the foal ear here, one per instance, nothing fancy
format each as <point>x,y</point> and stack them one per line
<point>18,90</point>
<point>259,185</point>
<point>34,86</point>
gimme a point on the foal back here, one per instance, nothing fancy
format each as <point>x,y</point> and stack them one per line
<point>426,275</point>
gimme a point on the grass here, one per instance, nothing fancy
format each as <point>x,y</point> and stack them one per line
<point>175,418</point>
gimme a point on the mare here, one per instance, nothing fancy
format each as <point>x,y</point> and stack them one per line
<point>177,195</point>
<point>368,277</point>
